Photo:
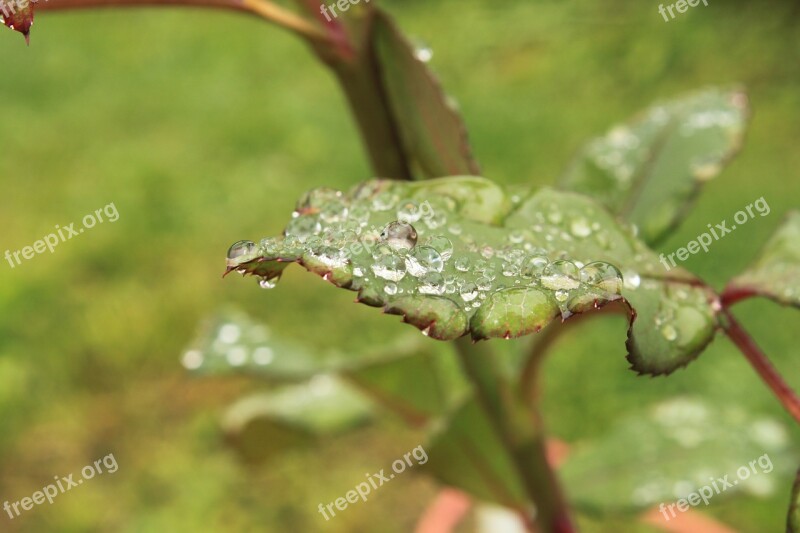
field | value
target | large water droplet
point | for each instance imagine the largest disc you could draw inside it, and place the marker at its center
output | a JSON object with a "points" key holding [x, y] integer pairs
{"points": [[442, 245], [534, 265], [333, 211], [399, 235], [391, 267], [562, 275], [424, 259], [242, 248], [432, 283], [602, 275]]}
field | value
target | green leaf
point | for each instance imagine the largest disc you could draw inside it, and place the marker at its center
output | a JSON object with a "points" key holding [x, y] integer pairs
{"points": [[454, 256], [467, 454], [793, 520], [650, 170], [775, 274], [233, 343], [432, 131], [263, 425], [673, 449]]}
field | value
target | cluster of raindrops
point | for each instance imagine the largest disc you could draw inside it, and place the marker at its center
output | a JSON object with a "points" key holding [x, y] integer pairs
{"points": [[380, 240], [232, 345]]}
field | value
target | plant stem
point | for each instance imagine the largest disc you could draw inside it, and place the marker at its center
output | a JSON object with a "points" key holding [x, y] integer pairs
{"points": [[763, 366], [525, 443], [261, 8]]}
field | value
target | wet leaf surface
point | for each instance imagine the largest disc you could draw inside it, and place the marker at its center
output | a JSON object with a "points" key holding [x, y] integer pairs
{"points": [[455, 256], [775, 274], [675, 448], [650, 169]]}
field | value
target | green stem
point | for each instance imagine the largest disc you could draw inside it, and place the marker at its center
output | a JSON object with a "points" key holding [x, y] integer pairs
{"points": [[514, 425]]}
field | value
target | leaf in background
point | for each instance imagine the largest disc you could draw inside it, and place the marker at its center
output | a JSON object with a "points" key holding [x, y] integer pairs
{"points": [[18, 15], [674, 449], [776, 272], [233, 343], [420, 383], [426, 251], [263, 425], [793, 520], [432, 131], [650, 170], [466, 453]]}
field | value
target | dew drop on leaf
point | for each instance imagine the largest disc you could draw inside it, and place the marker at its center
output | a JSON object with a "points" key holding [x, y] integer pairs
{"points": [[468, 291], [422, 260], [303, 227], [399, 235], [442, 245], [265, 283], [563, 275], [241, 248], [391, 267], [602, 275], [462, 264]]}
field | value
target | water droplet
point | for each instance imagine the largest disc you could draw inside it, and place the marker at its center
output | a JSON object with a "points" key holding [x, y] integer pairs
{"points": [[442, 245], [562, 295], [390, 289], [236, 355], [265, 283], [516, 237], [358, 272], [468, 291], [510, 269], [192, 360], [669, 332], [487, 252], [562, 275], [241, 249], [303, 227], [332, 257], [399, 235], [580, 228], [424, 259], [391, 267], [602, 275], [432, 283], [534, 265], [462, 264], [408, 211], [455, 229], [484, 283], [423, 53], [554, 217], [229, 333]]}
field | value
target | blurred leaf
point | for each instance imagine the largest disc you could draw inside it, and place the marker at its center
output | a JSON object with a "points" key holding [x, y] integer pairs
{"points": [[793, 521], [776, 272], [262, 425], [466, 453], [432, 131], [419, 383], [650, 170], [676, 448], [233, 343], [18, 15], [472, 263]]}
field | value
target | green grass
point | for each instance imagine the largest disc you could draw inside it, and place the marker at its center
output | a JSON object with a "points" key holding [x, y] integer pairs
{"points": [[203, 128]]}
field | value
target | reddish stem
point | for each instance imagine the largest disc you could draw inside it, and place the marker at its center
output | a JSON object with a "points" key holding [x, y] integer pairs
{"points": [[734, 295], [763, 366]]}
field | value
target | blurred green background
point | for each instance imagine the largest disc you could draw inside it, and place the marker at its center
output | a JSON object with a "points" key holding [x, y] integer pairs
{"points": [[204, 127]]}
